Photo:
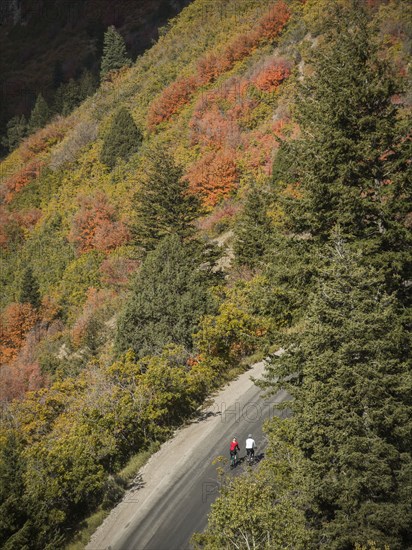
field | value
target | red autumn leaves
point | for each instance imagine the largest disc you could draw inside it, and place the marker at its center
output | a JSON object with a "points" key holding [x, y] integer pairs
{"points": [[211, 66], [96, 226]]}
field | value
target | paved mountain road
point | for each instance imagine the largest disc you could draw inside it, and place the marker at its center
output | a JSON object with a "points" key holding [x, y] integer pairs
{"points": [[179, 482]]}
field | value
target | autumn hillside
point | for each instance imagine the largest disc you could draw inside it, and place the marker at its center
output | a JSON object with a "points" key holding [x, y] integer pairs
{"points": [[281, 130]]}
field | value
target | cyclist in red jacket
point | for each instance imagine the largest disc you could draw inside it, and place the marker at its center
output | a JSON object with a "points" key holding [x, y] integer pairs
{"points": [[234, 449]]}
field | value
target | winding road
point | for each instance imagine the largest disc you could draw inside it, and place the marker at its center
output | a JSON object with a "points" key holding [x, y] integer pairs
{"points": [[179, 482]]}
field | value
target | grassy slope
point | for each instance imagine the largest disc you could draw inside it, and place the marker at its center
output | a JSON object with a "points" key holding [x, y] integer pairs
{"points": [[203, 27]]}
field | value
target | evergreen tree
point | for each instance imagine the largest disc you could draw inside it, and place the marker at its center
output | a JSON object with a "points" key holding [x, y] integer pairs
{"points": [[169, 295], [40, 114], [253, 231], [122, 140], [15, 133], [30, 289], [87, 85], [349, 377], [351, 161], [67, 97], [163, 205], [13, 514], [114, 52]]}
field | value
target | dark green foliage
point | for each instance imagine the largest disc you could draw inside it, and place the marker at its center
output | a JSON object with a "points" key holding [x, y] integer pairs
{"points": [[168, 297], [349, 376], [114, 52], [15, 133], [351, 162], [163, 205], [40, 114], [87, 85], [122, 140], [67, 98], [12, 514], [253, 230], [290, 269], [30, 289], [69, 95]]}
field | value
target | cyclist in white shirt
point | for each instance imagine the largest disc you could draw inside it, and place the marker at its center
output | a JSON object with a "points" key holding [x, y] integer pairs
{"points": [[250, 447]]}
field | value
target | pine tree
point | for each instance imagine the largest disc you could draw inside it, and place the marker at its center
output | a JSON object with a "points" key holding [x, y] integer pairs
{"points": [[30, 289], [163, 205], [253, 230], [15, 133], [114, 52], [349, 377], [122, 140], [169, 295], [40, 114], [351, 162]]}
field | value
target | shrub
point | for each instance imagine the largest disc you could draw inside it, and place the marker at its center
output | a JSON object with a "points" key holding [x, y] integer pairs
{"points": [[23, 177], [15, 322], [171, 100], [95, 227], [68, 149], [271, 75], [214, 176]]}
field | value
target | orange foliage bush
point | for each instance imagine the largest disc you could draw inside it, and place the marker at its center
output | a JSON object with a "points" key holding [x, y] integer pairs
{"points": [[208, 69], [172, 99], [116, 271], [18, 378], [20, 179], [44, 138], [214, 177], [15, 322], [95, 226], [211, 127], [23, 373], [12, 223], [6, 219], [240, 48], [273, 22], [271, 75]]}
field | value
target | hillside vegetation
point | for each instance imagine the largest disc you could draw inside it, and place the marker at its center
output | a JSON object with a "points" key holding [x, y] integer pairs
{"points": [[281, 129]]}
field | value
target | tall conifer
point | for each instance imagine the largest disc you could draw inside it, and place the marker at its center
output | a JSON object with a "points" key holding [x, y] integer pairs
{"points": [[114, 52], [163, 205], [349, 375], [39, 115], [169, 295], [253, 230], [30, 289], [350, 163], [122, 140]]}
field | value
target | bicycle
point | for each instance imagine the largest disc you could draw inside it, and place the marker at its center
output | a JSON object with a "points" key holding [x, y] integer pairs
{"points": [[250, 456], [233, 459]]}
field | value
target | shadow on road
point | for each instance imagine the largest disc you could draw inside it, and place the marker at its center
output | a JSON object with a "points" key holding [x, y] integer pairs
{"points": [[201, 416]]}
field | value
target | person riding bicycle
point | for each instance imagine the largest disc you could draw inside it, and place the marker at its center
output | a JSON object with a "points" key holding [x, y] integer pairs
{"points": [[250, 447], [234, 448]]}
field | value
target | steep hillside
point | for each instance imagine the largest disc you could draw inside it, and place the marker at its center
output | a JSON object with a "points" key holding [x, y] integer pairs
{"points": [[116, 321], [45, 43]]}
